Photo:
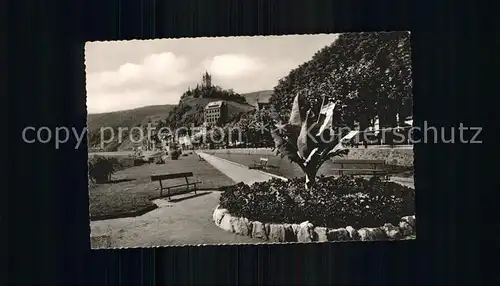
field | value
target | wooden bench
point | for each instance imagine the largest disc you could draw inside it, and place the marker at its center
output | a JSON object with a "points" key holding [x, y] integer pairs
{"points": [[372, 167], [261, 164], [166, 177]]}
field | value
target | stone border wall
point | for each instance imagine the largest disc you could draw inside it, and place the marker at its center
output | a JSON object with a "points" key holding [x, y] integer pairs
{"points": [[307, 232], [392, 156]]}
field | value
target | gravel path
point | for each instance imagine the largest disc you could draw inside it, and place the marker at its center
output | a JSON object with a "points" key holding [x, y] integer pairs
{"points": [[238, 172], [187, 222]]}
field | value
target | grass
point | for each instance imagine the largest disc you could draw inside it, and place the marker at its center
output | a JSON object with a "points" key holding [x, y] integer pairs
{"points": [[133, 190], [283, 166]]}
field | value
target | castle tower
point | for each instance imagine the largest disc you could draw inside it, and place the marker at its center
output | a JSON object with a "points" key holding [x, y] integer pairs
{"points": [[207, 80]]}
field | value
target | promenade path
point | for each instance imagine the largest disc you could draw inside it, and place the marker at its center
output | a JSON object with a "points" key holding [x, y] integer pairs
{"points": [[238, 172], [183, 222], [187, 222]]}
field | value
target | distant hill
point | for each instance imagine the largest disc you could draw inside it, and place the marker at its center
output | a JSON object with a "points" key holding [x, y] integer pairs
{"points": [[129, 118], [262, 96], [124, 118]]}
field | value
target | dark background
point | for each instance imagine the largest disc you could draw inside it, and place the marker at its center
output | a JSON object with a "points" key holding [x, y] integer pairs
{"points": [[44, 209]]}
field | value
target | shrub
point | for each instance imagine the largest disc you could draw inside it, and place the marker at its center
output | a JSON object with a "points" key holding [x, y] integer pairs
{"points": [[138, 162], [174, 155], [101, 168], [175, 151], [333, 202]]}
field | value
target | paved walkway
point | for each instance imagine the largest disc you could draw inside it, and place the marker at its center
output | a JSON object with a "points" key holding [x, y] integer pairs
{"points": [[184, 222], [238, 172]]}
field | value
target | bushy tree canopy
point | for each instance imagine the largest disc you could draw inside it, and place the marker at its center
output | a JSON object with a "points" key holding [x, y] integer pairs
{"points": [[369, 73]]}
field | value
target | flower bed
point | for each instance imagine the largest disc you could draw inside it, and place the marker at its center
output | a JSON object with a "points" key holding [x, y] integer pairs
{"points": [[333, 203], [344, 208]]}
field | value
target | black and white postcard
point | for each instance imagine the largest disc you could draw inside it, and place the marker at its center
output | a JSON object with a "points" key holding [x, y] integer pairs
{"points": [[248, 140]]}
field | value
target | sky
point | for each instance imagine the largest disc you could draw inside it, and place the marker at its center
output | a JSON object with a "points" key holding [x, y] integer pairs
{"points": [[123, 75]]}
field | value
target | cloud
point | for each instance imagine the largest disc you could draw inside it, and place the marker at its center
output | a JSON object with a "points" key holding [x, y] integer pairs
{"points": [[127, 99], [131, 74], [254, 75], [159, 79], [165, 69], [233, 65], [162, 78]]}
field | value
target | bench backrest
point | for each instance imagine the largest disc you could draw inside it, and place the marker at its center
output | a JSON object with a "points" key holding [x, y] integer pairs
{"points": [[171, 176], [354, 161]]}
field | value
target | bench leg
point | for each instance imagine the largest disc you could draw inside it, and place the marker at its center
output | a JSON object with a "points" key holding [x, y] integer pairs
{"points": [[187, 184], [161, 189], [195, 188]]}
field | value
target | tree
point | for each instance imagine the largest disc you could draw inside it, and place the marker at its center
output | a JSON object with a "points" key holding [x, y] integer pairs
{"points": [[261, 124], [369, 73], [101, 168]]}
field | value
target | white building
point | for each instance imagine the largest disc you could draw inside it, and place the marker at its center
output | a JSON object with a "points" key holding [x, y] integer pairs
{"points": [[215, 112]]}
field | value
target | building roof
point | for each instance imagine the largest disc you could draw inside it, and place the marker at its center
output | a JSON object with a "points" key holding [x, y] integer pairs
{"points": [[214, 104]]}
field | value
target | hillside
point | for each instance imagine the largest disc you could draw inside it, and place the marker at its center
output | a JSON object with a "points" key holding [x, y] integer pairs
{"points": [[187, 113], [124, 118], [190, 111], [262, 96], [128, 118]]}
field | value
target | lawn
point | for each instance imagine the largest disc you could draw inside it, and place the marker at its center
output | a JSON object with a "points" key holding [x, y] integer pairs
{"points": [[283, 167], [133, 189]]}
